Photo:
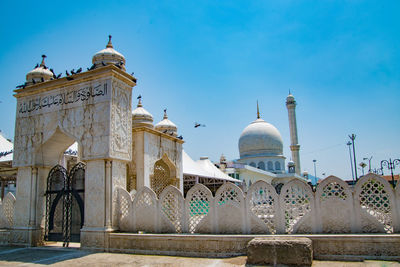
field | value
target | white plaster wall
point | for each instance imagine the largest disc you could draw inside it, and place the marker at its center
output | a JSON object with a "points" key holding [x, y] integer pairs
{"points": [[138, 166]]}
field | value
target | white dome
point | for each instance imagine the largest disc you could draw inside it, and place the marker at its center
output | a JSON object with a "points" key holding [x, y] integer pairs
{"points": [[141, 117], [39, 74], [167, 126], [259, 139], [108, 56]]}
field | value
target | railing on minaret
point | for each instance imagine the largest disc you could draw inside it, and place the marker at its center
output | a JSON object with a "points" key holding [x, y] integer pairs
{"points": [[294, 147]]}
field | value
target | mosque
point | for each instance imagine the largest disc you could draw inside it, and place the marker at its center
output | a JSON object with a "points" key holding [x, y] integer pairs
{"points": [[261, 153]]}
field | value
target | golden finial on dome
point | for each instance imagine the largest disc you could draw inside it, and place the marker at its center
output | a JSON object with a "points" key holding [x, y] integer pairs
{"points": [[109, 45], [258, 111]]}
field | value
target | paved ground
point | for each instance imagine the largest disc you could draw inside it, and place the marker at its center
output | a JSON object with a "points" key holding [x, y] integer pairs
{"points": [[58, 256]]}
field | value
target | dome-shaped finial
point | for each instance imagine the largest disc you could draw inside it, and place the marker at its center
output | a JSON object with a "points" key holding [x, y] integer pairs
{"points": [[141, 117], [258, 111], [39, 74], [109, 45], [166, 126], [42, 64], [109, 56]]}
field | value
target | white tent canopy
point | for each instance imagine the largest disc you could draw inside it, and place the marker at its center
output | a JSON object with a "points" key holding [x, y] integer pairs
{"points": [[190, 167], [6, 146], [204, 168], [207, 165]]}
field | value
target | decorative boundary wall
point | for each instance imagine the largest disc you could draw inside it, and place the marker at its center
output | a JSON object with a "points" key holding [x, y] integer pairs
{"points": [[335, 208]]}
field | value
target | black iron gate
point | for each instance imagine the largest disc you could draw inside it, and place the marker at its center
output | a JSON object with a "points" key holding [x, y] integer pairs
{"points": [[65, 204]]}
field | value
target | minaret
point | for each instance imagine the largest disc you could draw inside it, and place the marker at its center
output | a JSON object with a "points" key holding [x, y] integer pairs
{"points": [[294, 147]]}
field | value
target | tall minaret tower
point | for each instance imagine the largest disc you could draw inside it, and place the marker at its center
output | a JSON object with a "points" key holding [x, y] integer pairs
{"points": [[294, 147]]}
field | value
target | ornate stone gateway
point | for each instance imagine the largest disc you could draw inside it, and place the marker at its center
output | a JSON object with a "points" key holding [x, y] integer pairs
{"points": [[92, 108], [65, 204]]}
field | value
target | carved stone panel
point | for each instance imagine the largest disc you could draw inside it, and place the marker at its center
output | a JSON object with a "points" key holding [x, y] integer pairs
{"points": [[375, 197], [121, 121], [229, 209], [334, 202]]}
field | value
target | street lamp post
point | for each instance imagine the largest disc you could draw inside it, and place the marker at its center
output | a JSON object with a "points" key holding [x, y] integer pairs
{"points": [[369, 164], [391, 165], [353, 138], [315, 168], [351, 160]]}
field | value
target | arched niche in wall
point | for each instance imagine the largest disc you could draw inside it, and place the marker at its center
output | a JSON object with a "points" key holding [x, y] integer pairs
{"points": [[164, 175]]}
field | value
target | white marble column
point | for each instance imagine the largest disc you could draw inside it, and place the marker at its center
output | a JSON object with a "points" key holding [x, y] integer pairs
{"points": [[92, 233], [108, 196]]}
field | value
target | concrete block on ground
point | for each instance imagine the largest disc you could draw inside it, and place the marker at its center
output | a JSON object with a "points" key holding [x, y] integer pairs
{"points": [[280, 250]]}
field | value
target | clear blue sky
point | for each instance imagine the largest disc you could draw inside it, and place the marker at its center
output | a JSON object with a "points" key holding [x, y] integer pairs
{"points": [[209, 61]]}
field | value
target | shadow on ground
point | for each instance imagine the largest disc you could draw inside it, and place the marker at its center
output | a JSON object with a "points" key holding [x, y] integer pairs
{"points": [[38, 255]]}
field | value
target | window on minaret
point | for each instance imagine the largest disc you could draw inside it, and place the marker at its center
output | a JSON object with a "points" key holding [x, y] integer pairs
{"points": [[270, 166], [261, 165], [277, 165]]}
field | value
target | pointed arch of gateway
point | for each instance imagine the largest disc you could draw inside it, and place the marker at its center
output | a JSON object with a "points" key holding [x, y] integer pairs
{"points": [[51, 150]]}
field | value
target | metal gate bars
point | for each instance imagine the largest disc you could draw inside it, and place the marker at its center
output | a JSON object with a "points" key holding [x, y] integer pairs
{"points": [[65, 203]]}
